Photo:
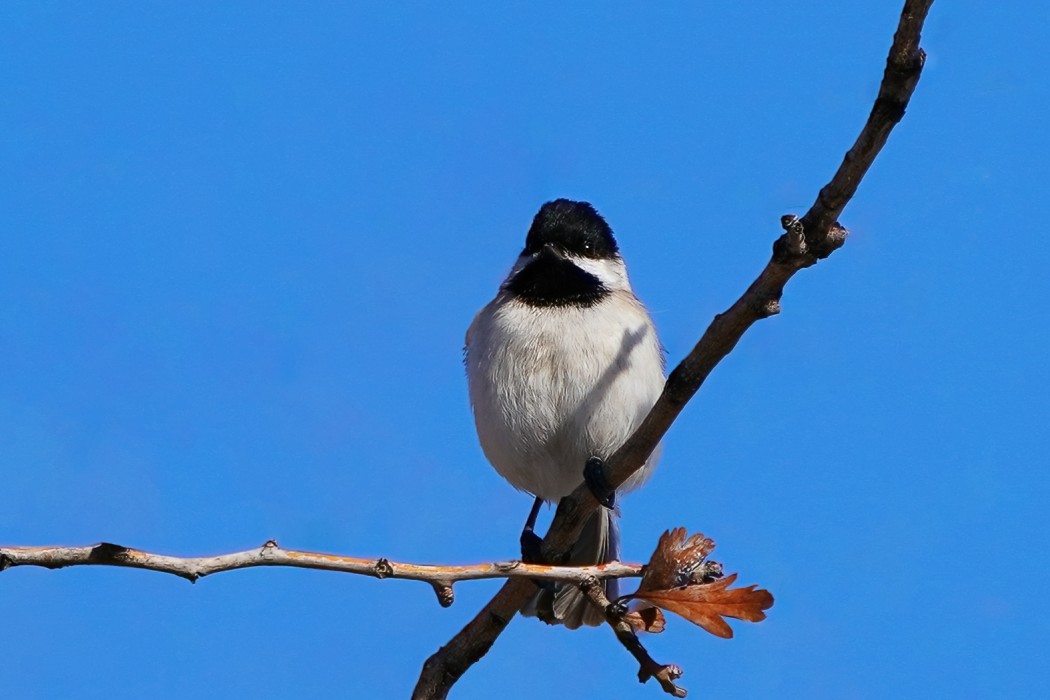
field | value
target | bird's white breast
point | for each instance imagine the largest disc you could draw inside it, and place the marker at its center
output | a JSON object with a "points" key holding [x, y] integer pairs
{"points": [[553, 386]]}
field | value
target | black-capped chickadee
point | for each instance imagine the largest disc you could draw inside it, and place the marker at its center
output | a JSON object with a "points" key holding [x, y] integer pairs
{"points": [[563, 365]]}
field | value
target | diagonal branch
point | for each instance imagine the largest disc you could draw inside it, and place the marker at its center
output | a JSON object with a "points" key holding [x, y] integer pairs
{"points": [[805, 241], [271, 554], [903, 67]]}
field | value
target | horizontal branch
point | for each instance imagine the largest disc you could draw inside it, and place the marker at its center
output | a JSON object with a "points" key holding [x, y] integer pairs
{"points": [[271, 554]]}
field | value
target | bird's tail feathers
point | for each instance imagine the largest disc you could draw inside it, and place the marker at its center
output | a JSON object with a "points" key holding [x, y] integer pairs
{"points": [[565, 604]]}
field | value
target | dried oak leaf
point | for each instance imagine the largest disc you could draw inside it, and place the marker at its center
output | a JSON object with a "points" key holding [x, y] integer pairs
{"points": [[705, 604], [678, 579], [675, 560]]}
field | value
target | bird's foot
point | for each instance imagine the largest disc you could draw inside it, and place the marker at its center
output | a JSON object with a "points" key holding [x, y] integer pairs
{"points": [[531, 547], [596, 480]]}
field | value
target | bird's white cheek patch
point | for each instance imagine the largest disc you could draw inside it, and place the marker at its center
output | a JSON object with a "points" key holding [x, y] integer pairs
{"points": [[611, 272]]}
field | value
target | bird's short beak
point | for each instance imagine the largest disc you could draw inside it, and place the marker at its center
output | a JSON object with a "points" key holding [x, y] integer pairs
{"points": [[550, 250]]}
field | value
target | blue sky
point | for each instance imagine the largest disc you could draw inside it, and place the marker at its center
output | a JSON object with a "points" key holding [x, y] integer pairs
{"points": [[241, 245]]}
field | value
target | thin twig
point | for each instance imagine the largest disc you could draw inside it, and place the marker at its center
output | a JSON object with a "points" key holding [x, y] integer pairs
{"points": [[665, 674], [271, 554], [815, 236]]}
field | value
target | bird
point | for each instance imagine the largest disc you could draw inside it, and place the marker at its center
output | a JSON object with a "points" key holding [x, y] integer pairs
{"points": [[562, 366]]}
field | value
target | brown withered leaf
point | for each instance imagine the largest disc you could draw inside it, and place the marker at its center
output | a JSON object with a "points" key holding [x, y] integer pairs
{"points": [[675, 559], [646, 620], [705, 604]]}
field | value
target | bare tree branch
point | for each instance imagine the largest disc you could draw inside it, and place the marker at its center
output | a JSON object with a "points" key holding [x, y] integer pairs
{"points": [[271, 554], [445, 666], [805, 241], [665, 674], [903, 67]]}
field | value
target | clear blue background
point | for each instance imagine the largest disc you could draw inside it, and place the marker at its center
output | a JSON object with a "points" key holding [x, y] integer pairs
{"points": [[241, 243]]}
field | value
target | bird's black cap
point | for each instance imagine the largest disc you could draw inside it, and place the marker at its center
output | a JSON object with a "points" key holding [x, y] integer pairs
{"points": [[575, 228]]}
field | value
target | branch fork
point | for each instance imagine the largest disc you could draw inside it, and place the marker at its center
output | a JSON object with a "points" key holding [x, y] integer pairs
{"points": [[814, 237]]}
